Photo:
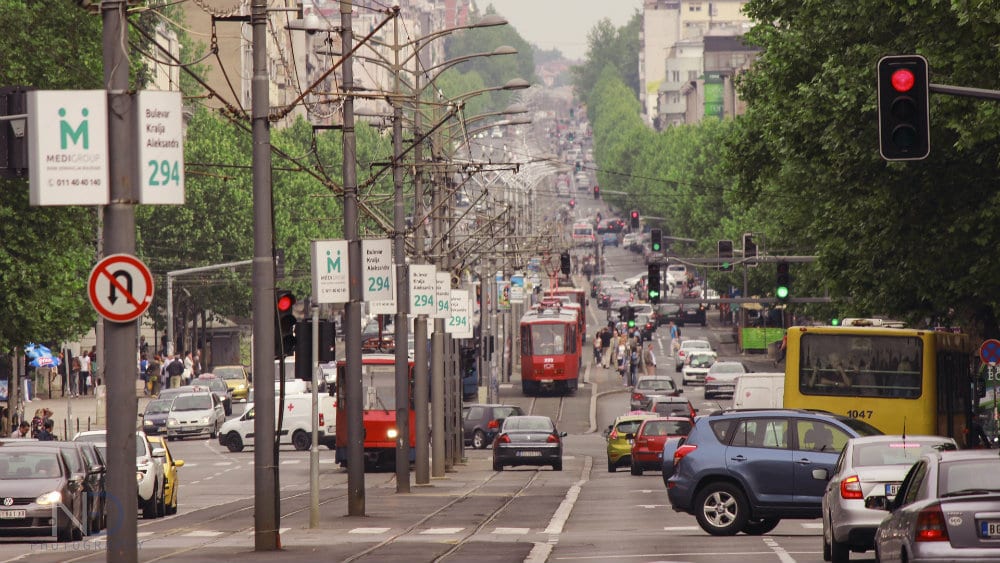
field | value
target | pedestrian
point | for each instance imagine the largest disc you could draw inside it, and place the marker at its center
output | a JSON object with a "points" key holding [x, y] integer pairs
{"points": [[84, 379], [23, 430], [175, 371], [95, 372], [46, 434], [597, 348], [74, 376], [63, 375], [188, 368], [605, 346], [633, 365], [649, 360], [153, 376], [675, 337]]}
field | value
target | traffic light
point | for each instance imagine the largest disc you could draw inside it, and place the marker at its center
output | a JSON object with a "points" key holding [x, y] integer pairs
{"points": [[834, 321], [653, 283], [903, 108], [572, 203], [656, 239], [783, 282], [565, 266], [627, 315], [597, 192], [284, 326], [749, 250], [304, 349], [726, 255], [634, 219]]}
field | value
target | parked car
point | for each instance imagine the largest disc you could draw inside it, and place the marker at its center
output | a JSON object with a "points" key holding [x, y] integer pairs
{"points": [[170, 479], [696, 366], [946, 510], [195, 413], [528, 440], [650, 387], [779, 453], [218, 386], [673, 406], [35, 478], [722, 376], [873, 465], [154, 417], [480, 423], [148, 469], [688, 346], [619, 444], [648, 441]]}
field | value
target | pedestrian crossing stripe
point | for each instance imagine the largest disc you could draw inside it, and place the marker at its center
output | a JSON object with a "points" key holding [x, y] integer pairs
{"points": [[442, 531], [511, 531], [290, 461], [202, 534], [368, 531]]}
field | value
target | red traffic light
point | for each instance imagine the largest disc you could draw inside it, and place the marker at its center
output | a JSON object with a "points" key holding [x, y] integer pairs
{"points": [[902, 80], [285, 302], [635, 214]]}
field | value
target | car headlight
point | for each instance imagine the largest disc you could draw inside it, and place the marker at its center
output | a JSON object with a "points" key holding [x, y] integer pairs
{"points": [[172, 422], [241, 386], [139, 475], [204, 420], [391, 434], [52, 497], [147, 423]]}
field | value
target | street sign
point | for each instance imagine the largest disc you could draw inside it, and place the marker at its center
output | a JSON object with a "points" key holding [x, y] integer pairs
{"points": [[423, 289], [443, 296], [517, 287], [68, 147], [120, 288], [161, 147], [376, 266], [989, 352], [385, 306], [460, 323], [330, 283]]}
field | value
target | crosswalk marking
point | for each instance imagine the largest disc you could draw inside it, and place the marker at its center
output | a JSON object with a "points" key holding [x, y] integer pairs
{"points": [[511, 531], [368, 531], [219, 463], [813, 525], [680, 528], [202, 534], [290, 461], [442, 531]]}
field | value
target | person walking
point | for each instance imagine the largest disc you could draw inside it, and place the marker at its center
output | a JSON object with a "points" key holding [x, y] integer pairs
{"points": [[74, 376], [649, 360], [597, 348], [605, 346], [153, 376], [84, 377]]}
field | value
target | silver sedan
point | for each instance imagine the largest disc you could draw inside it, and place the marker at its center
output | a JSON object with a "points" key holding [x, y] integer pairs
{"points": [[871, 465], [947, 509]]}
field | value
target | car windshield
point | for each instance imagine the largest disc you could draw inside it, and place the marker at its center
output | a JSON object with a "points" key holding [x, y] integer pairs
{"points": [[229, 373], [626, 426], [903, 452], [696, 345], [667, 428], [192, 403], [702, 360], [29, 465], [159, 406], [521, 423], [655, 385], [727, 368]]}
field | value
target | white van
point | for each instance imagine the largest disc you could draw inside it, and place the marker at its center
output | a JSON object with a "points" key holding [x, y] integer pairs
{"points": [[293, 386], [759, 391], [583, 234], [238, 433]]}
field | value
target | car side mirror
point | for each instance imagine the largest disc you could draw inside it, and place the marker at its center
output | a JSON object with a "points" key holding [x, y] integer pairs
{"points": [[878, 502], [159, 452], [178, 463], [820, 474], [563, 434], [96, 469]]}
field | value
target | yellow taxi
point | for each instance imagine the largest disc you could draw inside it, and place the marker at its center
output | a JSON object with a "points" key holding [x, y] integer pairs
{"points": [[170, 465], [619, 436], [236, 378]]}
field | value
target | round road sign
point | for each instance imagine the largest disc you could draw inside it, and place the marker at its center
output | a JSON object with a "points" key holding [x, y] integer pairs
{"points": [[989, 352], [120, 288]]}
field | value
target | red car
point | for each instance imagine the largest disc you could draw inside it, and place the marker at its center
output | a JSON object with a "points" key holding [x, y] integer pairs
{"points": [[647, 444]]}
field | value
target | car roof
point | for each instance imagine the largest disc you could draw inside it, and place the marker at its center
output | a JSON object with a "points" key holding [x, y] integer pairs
{"points": [[635, 415]]}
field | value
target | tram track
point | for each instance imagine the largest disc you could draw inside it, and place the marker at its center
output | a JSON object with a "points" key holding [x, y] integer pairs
{"points": [[550, 406]]}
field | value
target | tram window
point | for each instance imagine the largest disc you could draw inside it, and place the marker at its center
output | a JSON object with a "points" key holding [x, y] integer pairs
{"points": [[548, 339]]}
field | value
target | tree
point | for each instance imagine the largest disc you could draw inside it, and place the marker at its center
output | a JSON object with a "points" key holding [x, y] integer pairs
{"points": [[608, 46]]}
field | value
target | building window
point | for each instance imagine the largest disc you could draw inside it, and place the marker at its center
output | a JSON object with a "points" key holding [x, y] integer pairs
{"points": [[675, 76], [694, 7], [692, 75]]}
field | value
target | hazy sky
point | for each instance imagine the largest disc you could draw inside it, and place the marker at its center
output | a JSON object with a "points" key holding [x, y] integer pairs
{"points": [[561, 24]]}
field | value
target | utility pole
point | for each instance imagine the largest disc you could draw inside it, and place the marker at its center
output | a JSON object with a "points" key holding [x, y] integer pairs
{"points": [[119, 237], [352, 310], [265, 471], [421, 376]]}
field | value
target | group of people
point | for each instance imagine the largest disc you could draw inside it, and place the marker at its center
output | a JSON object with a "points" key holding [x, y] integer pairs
{"points": [[41, 427], [168, 371], [620, 346]]}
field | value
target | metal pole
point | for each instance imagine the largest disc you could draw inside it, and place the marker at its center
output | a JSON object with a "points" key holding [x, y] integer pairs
{"points": [[265, 463], [420, 391], [314, 450], [119, 234], [170, 313], [352, 310], [402, 366], [437, 400]]}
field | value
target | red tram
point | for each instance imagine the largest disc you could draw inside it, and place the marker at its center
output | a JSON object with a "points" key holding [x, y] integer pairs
{"points": [[550, 350], [378, 381]]}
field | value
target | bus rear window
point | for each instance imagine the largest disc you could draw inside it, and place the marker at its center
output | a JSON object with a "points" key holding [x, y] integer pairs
{"points": [[861, 366]]}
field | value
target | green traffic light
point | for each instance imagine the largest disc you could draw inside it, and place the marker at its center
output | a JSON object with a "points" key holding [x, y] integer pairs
{"points": [[631, 324], [835, 322], [781, 292], [654, 293], [656, 248]]}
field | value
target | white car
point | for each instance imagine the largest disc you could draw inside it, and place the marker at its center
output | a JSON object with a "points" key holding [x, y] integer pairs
{"points": [[696, 366], [148, 470], [687, 347], [677, 274], [195, 414]]}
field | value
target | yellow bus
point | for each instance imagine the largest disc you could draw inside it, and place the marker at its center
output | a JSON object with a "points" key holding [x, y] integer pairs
{"points": [[896, 379]]}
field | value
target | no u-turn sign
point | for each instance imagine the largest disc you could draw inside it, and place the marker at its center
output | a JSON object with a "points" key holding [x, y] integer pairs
{"points": [[120, 288]]}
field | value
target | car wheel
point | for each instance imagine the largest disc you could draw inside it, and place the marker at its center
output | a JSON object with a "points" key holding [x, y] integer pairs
{"points": [[479, 440], [149, 506], [65, 534], [721, 509], [760, 526], [172, 507], [301, 440], [840, 552], [635, 468], [215, 431], [234, 442], [497, 466], [161, 506], [826, 549], [557, 466], [612, 468]]}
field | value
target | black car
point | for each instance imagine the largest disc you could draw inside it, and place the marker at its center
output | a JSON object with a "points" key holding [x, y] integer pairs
{"points": [[692, 313], [480, 423], [667, 312], [528, 440], [154, 418]]}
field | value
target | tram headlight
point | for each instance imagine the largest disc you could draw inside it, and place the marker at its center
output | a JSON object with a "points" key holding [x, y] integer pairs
{"points": [[391, 434]]}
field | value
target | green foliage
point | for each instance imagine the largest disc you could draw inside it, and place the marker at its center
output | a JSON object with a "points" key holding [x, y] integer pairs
{"points": [[608, 46]]}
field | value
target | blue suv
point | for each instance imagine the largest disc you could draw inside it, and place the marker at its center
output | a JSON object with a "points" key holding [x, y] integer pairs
{"points": [[745, 470]]}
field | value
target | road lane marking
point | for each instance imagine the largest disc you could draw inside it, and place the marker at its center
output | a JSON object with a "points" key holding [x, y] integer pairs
{"points": [[221, 463], [290, 461], [442, 531], [511, 531], [681, 528], [202, 534], [783, 555], [566, 506], [368, 531]]}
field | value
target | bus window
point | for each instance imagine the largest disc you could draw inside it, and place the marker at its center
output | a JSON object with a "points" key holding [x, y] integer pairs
{"points": [[872, 366]]}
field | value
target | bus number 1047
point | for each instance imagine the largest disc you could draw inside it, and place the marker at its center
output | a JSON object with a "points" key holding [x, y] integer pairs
{"points": [[859, 414]]}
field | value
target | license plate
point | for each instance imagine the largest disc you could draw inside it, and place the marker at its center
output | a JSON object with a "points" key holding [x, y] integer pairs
{"points": [[12, 514], [529, 454], [989, 528], [891, 489], [546, 381]]}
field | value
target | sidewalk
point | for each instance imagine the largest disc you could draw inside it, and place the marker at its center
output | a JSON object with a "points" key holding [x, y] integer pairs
{"points": [[72, 415]]}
